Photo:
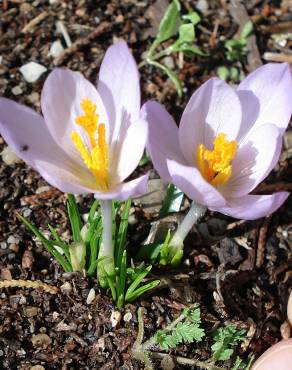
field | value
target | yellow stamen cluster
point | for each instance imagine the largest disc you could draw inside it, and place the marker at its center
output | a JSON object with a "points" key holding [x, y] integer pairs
{"points": [[96, 159], [215, 166]]}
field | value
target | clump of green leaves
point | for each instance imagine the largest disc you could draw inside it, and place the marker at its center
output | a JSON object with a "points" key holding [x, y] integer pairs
{"points": [[225, 339], [126, 284], [187, 328], [186, 331], [180, 29], [235, 51]]}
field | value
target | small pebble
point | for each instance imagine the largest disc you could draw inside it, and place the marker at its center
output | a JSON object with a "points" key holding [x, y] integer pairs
{"points": [[16, 90], [41, 340], [12, 240], [115, 318], [34, 98], [37, 367], [127, 317], [66, 287], [27, 259], [32, 71], [30, 311], [285, 330], [26, 212], [5, 274], [91, 296], [9, 157], [56, 49]]}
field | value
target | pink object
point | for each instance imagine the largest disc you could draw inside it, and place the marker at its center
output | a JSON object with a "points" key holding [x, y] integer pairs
{"points": [[277, 357], [228, 141], [110, 135]]}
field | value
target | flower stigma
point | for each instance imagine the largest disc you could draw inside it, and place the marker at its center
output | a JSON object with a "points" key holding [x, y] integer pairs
{"points": [[215, 166], [95, 158]]}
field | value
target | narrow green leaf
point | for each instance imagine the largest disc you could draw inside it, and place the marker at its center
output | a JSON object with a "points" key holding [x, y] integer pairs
{"points": [[59, 242], [172, 201], [168, 24], [247, 30], [186, 33], [172, 75], [193, 17], [74, 217], [121, 278], [149, 252], [137, 281], [122, 232], [47, 244], [223, 73], [143, 289], [92, 211]]}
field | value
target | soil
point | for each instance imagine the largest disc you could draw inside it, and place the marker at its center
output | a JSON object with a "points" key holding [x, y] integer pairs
{"points": [[237, 271]]}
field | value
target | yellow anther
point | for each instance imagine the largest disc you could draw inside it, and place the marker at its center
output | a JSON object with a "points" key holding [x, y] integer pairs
{"points": [[96, 157], [215, 166]]}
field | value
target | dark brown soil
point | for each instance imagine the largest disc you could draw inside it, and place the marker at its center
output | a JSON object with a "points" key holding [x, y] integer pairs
{"points": [[243, 275]]}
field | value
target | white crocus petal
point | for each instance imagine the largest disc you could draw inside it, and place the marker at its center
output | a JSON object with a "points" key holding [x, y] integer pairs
{"points": [[118, 85], [129, 149], [61, 100], [257, 154], [213, 109], [266, 96]]}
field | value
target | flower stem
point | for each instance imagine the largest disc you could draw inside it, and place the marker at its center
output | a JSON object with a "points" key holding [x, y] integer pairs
{"points": [[172, 253], [195, 213], [106, 266]]}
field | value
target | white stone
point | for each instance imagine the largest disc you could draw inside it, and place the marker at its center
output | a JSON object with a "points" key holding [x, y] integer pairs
{"points": [[32, 71], [56, 49], [9, 157], [16, 90], [115, 318], [91, 296]]}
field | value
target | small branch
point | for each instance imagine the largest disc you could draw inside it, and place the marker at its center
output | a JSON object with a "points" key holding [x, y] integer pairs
{"points": [[40, 17], [189, 361], [29, 284], [100, 29]]}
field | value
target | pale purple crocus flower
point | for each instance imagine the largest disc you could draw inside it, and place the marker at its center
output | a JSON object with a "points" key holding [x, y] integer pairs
{"points": [[227, 142], [89, 139]]}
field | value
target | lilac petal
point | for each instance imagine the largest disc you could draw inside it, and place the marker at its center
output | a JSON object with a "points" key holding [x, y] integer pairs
{"points": [[126, 190], [162, 138], [257, 155], [129, 150], [27, 134], [191, 182], [266, 96], [251, 207], [61, 99], [214, 108], [118, 86]]}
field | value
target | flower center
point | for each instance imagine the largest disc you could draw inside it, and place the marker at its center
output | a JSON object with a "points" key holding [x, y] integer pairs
{"points": [[215, 166], [95, 158]]}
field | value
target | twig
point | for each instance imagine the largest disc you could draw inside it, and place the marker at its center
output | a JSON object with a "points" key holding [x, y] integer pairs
{"points": [[189, 361], [29, 284], [277, 57], [262, 242], [34, 22], [101, 28], [271, 188], [240, 15], [35, 199]]}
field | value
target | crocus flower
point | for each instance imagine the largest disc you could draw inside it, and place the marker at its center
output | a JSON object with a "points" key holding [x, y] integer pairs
{"points": [[89, 139], [227, 142], [277, 357]]}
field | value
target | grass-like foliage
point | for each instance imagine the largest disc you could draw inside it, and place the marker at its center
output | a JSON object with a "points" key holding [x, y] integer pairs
{"points": [[126, 284]]}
